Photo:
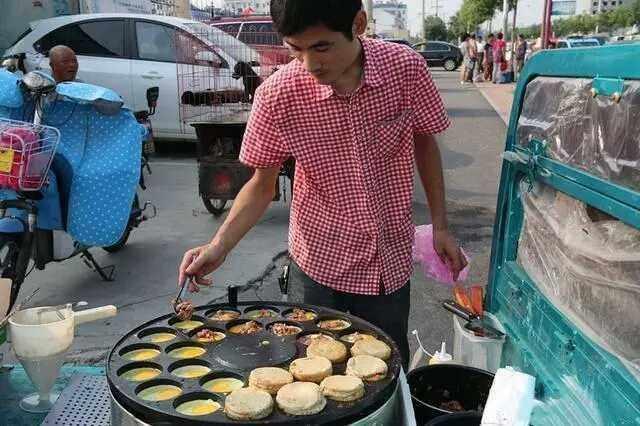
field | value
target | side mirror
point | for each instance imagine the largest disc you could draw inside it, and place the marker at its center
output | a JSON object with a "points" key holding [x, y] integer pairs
{"points": [[152, 98], [209, 57]]}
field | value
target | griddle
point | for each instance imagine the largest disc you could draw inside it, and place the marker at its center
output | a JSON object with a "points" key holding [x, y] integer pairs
{"points": [[236, 356]]}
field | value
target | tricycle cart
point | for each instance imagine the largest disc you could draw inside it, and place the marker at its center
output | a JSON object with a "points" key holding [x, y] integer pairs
{"points": [[221, 176]]}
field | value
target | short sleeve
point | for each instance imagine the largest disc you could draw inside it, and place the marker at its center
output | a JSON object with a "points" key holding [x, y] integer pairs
{"points": [[429, 114], [263, 146]]}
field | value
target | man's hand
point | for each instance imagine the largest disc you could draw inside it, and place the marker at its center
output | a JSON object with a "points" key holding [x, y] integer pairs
{"points": [[447, 248], [199, 262]]}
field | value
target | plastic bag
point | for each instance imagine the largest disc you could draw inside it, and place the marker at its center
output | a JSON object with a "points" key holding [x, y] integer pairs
{"points": [[432, 266]]}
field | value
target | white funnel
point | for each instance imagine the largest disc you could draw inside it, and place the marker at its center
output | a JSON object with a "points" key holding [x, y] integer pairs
{"points": [[40, 339]]}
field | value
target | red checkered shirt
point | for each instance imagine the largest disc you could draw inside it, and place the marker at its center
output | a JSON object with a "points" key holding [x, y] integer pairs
{"points": [[350, 226]]}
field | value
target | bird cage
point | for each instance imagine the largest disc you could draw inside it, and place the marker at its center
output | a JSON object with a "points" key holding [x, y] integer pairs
{"points": [[218, 72]]}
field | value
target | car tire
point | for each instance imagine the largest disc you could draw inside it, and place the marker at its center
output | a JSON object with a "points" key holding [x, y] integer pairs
{"points": [[450, 65]]}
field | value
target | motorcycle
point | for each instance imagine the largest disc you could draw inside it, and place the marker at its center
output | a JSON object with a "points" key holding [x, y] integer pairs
{"points": [[71, 157]]}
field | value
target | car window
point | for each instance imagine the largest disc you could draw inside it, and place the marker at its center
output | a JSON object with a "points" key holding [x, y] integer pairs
{"points": [[437, 47], [156, 42], [259, 33], [562, 44], [97, 38], [21, 36], [231, 29]]}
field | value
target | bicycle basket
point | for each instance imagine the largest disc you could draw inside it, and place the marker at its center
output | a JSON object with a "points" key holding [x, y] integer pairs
{"points": [[26, 153]]}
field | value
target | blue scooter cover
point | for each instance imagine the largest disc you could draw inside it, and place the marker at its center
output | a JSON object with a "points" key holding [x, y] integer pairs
{"points": [[97, 164]]}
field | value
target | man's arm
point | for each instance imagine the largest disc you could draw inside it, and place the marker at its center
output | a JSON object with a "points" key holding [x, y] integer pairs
{"points": [[429, 164]]}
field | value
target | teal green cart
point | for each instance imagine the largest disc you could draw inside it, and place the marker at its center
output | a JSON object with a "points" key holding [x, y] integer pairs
{"points": [[565, 271]]}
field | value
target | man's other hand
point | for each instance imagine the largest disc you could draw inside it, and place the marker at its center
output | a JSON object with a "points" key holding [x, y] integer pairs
{"points": [[447, 248]]}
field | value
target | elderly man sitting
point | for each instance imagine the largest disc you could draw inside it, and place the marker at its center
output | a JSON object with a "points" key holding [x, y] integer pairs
{"points": [[63, 63]]}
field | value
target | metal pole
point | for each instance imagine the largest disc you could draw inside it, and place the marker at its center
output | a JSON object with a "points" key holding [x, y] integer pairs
{"points": [[423, 16], [368, 4], [505, 17]]}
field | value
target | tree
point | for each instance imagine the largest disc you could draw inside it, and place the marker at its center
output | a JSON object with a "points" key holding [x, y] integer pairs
{"points": [[435, 29]]}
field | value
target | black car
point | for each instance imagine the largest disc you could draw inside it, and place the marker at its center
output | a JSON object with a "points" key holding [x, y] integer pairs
{"points": [[440, 54]]}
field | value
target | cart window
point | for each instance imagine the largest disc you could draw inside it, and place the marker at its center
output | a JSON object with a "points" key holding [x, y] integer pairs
{"points": [[588, 264], [595, 134]]}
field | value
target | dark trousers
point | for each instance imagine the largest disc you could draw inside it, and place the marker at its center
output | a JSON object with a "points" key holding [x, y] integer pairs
{"points": [[388, 312]]}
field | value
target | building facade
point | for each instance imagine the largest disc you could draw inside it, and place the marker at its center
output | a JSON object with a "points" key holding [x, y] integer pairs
{"points": [[260, 7], [390, 19]]}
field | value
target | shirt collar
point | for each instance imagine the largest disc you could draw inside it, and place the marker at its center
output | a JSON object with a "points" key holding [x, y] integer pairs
{"points": [[371, 72]]}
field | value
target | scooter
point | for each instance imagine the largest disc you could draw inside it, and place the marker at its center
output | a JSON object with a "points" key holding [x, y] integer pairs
{"points": [[70, 162]]}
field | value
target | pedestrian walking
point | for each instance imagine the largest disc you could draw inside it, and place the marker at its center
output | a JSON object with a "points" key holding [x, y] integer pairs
{"points": [[488, 58], [499, 59], [464, 49], [473, 57], [521, 54], [481, 43]]}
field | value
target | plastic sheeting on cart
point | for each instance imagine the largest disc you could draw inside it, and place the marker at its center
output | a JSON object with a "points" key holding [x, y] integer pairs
{"points": [[588, 265], [595, 134]]}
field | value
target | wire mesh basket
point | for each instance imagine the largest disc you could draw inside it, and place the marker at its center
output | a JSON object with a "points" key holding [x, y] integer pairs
{"points": [[26, 153], [219, 68]]}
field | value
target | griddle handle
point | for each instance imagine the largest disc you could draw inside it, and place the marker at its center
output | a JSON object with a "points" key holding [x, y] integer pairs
{"points": [[459, 310], [232, 292]]}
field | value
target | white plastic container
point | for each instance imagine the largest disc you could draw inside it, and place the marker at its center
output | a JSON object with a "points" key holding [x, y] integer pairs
{"points": [[478, 352]]}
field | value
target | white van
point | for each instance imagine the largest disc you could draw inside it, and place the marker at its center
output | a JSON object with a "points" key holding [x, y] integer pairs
{"points": [[129, 53]]}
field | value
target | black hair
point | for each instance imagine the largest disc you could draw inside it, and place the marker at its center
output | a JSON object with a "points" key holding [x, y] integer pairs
{"points": [[490, 35], [292, 17], [500, 36]]}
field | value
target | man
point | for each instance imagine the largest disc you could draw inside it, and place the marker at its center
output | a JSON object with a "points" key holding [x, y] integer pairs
{"points": [[63, 63], [481, 44], [499, 47], [472, 45], [488, 58], [355, 113], [521, 54]]}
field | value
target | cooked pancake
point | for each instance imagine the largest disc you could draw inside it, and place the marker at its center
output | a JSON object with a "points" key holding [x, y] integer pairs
{"points": [[248, 404], [269, 379], [223, 385], [160, 393], [354, 337], [333, 350], [367, 367], [301, 399], [185, 352], [311, 369], [342, 388], [141, 374], [159, 337], [307, 339], [141, 354], [198, 407], [373, 347], [334, 324], [191, 371]]}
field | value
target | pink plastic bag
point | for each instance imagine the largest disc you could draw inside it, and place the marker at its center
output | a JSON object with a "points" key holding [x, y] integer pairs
{"points": [[432, 266]]}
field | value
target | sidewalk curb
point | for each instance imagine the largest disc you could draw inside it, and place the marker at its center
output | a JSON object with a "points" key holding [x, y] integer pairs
{"points": [[504, 117]]}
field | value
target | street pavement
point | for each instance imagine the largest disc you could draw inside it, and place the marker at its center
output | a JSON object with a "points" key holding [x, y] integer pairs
{"points": [[146, 270]]}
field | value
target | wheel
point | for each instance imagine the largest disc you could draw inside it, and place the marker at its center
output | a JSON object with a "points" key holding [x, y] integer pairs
{"points": [[450, 65], [119, 245], [215, 206], [9, 251]]}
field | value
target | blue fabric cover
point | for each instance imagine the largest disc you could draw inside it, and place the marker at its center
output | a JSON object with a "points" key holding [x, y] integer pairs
{"points": [[97, 164]]}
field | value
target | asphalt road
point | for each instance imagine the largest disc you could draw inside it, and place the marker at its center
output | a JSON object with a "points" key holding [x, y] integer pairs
{"points": [[146, 269]]}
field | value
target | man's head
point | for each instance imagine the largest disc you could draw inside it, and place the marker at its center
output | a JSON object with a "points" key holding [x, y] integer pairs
{"points": [[464, 36], [500, 36], [321, 34], [490, 37], [63, 63], [473, 36], [521, 37]]}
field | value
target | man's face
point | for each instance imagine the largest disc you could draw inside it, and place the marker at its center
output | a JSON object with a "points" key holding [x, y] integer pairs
{"points": [[490, 39], [64, 67], [325, 54]]}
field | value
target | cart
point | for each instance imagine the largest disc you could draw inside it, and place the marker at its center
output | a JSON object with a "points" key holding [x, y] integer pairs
{"points": [[565, 266], [221, 176]]}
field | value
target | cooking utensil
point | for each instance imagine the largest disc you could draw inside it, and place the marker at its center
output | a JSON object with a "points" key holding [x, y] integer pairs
{"points": [[59, 308], [283, 281], [178, 298], [476, 324]]}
